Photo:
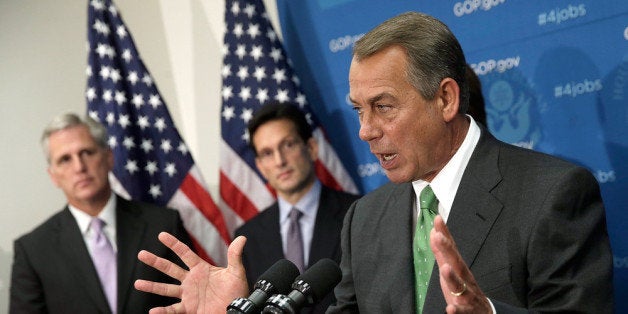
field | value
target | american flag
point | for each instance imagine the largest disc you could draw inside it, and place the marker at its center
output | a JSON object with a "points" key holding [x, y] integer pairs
{"points": [[152, 163], [256, 70]]}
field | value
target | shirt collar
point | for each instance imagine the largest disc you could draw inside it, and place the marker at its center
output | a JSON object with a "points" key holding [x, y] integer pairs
{"points": [[308, 204], [446, 182], [108, 215]]}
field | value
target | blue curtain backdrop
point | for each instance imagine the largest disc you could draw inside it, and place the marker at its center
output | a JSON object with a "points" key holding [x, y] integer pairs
{"points": [[554, 76]]}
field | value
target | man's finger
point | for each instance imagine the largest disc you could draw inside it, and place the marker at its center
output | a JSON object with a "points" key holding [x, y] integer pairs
{"points": [[456, 285], [163, 265], [171, 309], [452, 267], [443, 245], [439, 225], [189, 258], [234, 252], [234, 258], [163, 289], [445, 249]]}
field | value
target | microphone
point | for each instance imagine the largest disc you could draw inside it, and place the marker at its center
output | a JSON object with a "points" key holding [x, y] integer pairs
{"points": [[275, 279], [308, 288]]}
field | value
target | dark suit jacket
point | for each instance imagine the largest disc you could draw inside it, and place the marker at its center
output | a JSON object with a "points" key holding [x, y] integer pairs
{"points": [[53, 271], [531, 228], [263, 246]]}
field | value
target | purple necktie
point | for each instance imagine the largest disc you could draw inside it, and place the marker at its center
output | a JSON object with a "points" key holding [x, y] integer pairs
{"points": [[104, 259], [294, 247]]}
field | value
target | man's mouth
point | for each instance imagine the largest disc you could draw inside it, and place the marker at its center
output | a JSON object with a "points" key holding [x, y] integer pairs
{"points": [[284, 175], [83, 182], [388, 157], [387, 161]]}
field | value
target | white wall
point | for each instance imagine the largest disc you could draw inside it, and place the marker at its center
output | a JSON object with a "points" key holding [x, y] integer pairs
{"points": [[42, 73]]}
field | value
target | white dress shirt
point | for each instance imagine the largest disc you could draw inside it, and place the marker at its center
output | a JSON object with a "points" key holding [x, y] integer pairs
{"points": [[446, 183]]}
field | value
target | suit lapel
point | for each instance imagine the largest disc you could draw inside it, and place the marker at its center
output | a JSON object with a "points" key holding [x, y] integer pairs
{"points": [[406, 292], [394, 248], [326, 238], [71, 244], [271, 240], [130, 232], [473, 211]]}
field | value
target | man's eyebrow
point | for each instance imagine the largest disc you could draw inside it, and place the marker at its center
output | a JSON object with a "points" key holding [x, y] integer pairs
{"points": [[375, 98]]}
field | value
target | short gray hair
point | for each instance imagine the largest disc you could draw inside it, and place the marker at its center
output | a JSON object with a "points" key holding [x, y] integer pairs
{"points": [[69, 120], [433, 52]]}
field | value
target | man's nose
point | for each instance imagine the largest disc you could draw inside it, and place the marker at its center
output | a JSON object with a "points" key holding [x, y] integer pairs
{"points": [[279, 157], [78, 163], [369, 129]]}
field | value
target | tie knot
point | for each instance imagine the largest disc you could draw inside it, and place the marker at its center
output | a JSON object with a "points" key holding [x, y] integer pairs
{"points": [[97, 224], [428, 200], [295, 214]]}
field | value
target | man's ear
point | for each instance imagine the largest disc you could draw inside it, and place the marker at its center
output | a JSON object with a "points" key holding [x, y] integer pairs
{"points": [[260, 167], [312, 148], [52, 176], [449, 95], [110, 159]]}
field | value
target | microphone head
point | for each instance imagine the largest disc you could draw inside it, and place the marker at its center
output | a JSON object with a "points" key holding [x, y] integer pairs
{"points": [[280, 276], [275, 279], [319, 279]]}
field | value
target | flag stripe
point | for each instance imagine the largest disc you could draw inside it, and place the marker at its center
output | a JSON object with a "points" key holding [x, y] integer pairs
{"points": [[325, 176], [199, 228], [202, 200], [200, 250], [328, 157], [236, 199]]}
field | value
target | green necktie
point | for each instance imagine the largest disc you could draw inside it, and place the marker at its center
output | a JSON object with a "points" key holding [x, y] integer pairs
{"points": [[423, 256]]}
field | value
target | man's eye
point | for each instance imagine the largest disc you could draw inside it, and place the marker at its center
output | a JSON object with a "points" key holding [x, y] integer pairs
{"points": [[290, 144], [63, 161], [88, 152]]}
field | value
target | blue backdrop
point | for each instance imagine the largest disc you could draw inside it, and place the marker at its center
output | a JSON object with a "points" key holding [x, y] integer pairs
{"points": [[554, 76]]}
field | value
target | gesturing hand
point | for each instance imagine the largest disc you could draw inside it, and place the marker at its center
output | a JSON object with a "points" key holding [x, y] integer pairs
{"points": [[459, 287], [204, 288]]}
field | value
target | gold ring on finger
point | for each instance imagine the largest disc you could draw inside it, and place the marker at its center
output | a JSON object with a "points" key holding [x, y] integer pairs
{"points": [[457, 294]]}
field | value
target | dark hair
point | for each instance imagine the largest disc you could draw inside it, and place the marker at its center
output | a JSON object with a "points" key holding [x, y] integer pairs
{"points": [[280, 111], [476, 99]]}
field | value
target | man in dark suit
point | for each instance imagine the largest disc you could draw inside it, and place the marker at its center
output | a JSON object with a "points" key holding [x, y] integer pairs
{"points": [[525, 232], [53, 269], [285, 154]]}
